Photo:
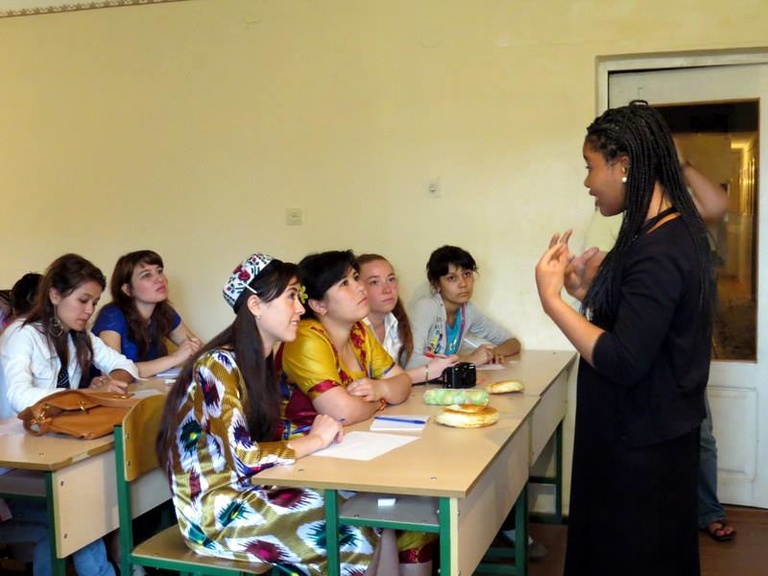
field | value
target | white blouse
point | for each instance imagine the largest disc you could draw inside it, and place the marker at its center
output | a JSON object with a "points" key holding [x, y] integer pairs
{"points": [[30, 366]]}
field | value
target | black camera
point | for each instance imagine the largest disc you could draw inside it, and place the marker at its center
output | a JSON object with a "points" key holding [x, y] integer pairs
{"points": [[460, 375]]}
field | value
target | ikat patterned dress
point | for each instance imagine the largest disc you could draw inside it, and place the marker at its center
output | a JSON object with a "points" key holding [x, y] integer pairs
{"points": [[221, 512]]}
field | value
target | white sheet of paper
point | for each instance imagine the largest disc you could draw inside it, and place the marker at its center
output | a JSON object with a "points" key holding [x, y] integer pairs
{"points": [[365, 445], [171, 373], [490, 367], [146, 392]]}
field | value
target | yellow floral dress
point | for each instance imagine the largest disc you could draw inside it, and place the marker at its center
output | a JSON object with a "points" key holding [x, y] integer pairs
{"points": [[221, 510]]}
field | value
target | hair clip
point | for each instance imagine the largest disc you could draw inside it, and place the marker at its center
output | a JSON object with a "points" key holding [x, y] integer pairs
{"points": [[303, 294]]}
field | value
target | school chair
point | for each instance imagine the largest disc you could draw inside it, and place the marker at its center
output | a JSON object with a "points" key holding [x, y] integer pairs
{"points": [[141, 486]]}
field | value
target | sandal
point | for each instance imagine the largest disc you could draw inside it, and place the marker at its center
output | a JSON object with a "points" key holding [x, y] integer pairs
{"points": [[720, 531]]}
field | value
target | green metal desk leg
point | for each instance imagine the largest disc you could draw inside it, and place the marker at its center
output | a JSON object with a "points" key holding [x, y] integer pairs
{"points": [[444, 517], [521, 533], [58, 565], [332, 532]]}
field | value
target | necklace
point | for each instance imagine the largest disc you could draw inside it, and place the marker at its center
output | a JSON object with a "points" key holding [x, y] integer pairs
{"points": [[651, 223]]}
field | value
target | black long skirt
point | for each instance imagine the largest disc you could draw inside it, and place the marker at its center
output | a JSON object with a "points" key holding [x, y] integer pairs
{"points": [[633, 510]]}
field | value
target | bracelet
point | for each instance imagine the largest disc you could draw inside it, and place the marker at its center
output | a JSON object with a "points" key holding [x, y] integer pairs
{"points": [[382, 404], [426, 372]]}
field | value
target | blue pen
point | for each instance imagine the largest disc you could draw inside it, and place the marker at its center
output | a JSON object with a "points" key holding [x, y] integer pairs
{"points": [[303, 429], [396, 419]]}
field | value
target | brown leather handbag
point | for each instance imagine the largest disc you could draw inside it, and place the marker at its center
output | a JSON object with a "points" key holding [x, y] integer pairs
{"points": [[80, 413]]}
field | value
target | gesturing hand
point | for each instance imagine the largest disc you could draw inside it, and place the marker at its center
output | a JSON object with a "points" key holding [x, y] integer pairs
{"points": [[550, 270], [581, 270]]}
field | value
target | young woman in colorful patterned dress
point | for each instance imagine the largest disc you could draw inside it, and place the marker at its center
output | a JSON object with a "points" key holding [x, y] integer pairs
{"points": [[221, 427]]}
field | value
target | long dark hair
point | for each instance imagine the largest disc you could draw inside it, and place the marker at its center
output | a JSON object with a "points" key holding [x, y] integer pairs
{"points": [[318, 272], [145, 333], [639, 132], [259, 389], [65, 275], [403, 322], [443, 257], [24, 293]]}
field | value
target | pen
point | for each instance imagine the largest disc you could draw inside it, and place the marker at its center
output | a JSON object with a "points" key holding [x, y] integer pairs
{"points": [[432, 355], [396, 419], [307, 428]]}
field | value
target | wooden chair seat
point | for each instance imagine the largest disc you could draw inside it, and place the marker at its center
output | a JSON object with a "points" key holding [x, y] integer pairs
{"points": [[168, 546]]}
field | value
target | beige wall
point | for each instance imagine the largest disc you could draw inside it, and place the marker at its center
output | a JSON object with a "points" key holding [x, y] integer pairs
{"points": [[190, 127]]}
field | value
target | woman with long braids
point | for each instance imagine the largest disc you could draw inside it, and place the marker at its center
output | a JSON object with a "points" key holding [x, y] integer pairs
{"points": [[644, 339]]}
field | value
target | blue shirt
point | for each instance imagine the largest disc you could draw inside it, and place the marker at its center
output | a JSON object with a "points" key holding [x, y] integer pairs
{"points": [[112, 318]]}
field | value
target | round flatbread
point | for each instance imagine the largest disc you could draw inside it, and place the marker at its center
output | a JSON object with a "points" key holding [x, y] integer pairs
{"points": [[467, 416], [505, 387]]}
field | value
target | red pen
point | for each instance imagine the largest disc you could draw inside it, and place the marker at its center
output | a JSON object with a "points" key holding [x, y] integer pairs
{"points": [[431, 355]]}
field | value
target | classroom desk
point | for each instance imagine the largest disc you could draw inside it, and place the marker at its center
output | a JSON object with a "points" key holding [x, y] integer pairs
{"points": [[70, 476], [75, 478], [544, 373], [475, 476]]}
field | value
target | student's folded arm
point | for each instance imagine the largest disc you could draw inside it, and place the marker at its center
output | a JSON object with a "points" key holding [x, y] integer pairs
{"points": [[344, 407], [509, 347], [396, 385]]}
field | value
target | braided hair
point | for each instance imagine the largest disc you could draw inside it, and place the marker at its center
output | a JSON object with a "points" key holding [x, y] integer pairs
{"points": [[639, 133]]}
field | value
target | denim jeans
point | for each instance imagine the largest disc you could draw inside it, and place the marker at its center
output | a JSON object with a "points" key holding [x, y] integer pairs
{"points": [[710, 508], [30, 524]]}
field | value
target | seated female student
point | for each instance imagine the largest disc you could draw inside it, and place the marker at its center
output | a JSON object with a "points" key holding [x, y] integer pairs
{"points": [[140, 319], [21, 298], [389, 320], [50, 350], [336, 366], [221, 426], [446, 319]]}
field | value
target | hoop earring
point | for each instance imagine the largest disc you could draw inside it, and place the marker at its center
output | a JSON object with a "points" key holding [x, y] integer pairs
{"points": [[55, 329]]}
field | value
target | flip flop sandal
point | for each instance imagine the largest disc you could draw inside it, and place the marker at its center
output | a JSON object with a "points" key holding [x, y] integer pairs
{"points": [[716, 531]]}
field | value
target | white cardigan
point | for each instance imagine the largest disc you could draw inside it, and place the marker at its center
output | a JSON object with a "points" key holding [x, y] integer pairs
{"points": [[30, 366]]}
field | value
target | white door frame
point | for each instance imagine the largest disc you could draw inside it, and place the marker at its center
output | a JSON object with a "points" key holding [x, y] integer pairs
{"points": [[758, 495]]}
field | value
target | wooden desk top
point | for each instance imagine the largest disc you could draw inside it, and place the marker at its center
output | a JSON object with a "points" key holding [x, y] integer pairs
{"points": [[19, 449], [536, 369], [442, 462]]}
